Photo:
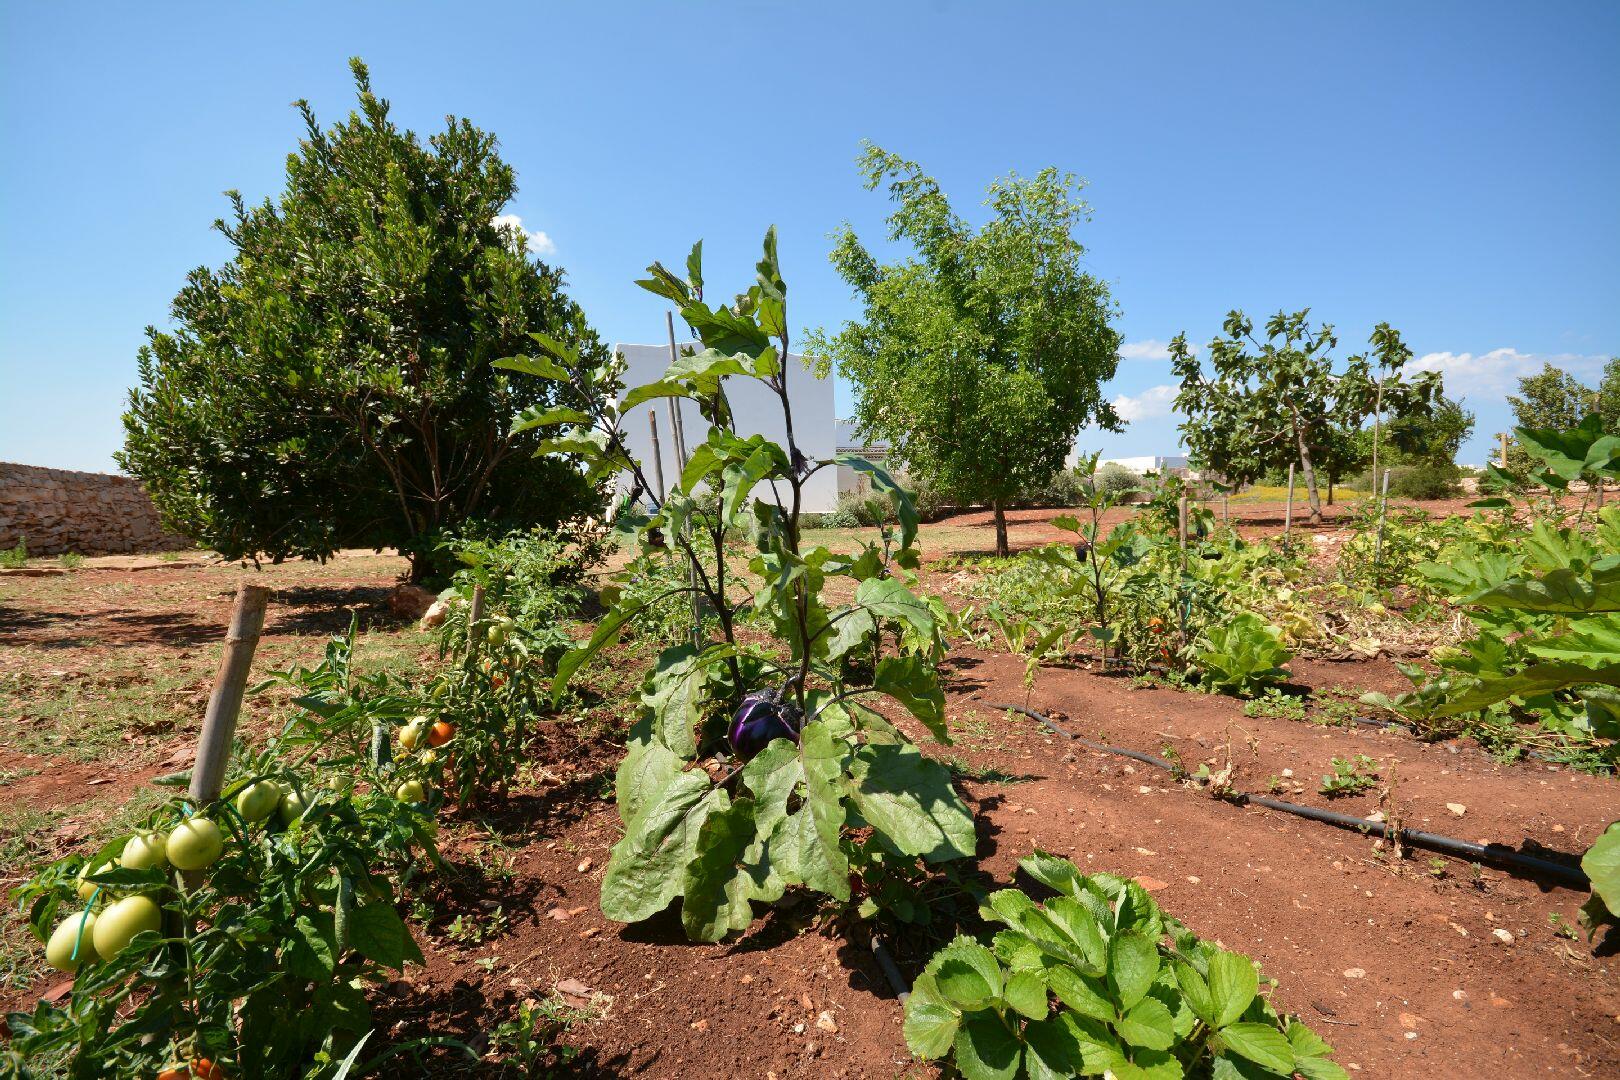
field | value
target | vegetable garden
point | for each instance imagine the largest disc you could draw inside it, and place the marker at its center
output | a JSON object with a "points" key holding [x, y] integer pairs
{"points": [[728, 791]]}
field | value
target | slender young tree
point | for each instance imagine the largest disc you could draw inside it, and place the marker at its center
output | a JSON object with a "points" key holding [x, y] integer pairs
{"points": [[330, 386], [1266, 404], [981, 356]]}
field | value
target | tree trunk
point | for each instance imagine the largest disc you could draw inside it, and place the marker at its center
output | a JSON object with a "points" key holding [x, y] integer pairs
{"points": [[420, 565], [1002, 551], [1310, 478]]}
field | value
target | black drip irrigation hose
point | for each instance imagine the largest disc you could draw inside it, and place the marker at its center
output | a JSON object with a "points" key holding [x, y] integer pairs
{"points": [[891, 970], [1498, 854]]}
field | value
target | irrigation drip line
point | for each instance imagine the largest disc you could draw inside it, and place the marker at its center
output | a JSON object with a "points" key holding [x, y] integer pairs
{"points": [[891, 970], [1504, 856]]}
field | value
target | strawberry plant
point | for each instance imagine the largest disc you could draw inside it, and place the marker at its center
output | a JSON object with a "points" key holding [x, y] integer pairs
{"points": [[721, 815], [1097, 981]]}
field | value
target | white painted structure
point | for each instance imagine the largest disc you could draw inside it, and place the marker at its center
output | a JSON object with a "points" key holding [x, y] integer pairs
{"points": [[848, 441], [754, 408], [1158, 463]]}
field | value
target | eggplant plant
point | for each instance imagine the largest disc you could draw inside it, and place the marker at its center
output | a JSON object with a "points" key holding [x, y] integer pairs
{"points": [[753, 768]]}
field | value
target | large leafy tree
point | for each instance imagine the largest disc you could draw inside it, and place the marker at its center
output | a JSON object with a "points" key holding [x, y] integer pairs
{"points": [[982, 356], [1268, 403], [331, 384]]}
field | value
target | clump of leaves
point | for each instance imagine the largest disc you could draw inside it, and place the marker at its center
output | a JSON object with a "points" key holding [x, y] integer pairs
{"points": [[16, 556], [1242, 656], [1099, 981], [1349, 777], [1602, 865]]}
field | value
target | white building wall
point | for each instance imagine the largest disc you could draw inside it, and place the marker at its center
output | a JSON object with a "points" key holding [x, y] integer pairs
{"points": [[755, 410]]}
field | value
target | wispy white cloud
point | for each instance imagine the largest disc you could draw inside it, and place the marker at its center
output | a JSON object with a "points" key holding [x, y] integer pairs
{"points": [[539, 242], [1148, 349], [1498, 372], [1155, 401]]}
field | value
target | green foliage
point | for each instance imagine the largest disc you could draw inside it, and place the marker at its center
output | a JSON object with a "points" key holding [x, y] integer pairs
{"points": [[1136, 993], [1602, 865], [980, 358], [700, 825], [1268, 404], [1349, 777], [330, 385], [535, 578], [1241, 655], [16, 556], [259, 964]]}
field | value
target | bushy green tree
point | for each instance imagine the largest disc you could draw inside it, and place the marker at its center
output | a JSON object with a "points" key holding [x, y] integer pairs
{"points": [[330, 385], [1266, 404], [982, 356], [1552, 398]]}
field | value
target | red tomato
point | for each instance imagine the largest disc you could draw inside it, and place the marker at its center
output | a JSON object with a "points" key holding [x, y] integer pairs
{"points": [[441, 732]]}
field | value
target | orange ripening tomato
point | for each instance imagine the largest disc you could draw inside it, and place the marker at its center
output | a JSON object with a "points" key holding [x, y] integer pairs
{"points": [[203, 1069], [441, 732], [181, 1073]]}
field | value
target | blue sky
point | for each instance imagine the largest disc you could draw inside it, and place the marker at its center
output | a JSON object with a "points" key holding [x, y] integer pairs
{"points": [[1448, 167]]}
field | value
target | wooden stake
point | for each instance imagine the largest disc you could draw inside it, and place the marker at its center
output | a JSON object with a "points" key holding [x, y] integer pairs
{"points": [[658, 455], [230, 683], [677, 429], [1288, 514], [1181, 528], [1383, 505], [475, 615], [1504, 437]]}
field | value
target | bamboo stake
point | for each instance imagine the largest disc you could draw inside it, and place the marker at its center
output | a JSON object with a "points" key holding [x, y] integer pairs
{"points": [[230, 683], [475, 615], [658, 455], [1383, 506], [1288, 513], [679, 435]]}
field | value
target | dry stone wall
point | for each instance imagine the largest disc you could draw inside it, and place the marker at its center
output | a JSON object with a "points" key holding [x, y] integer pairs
{"points": [[57, 510]]}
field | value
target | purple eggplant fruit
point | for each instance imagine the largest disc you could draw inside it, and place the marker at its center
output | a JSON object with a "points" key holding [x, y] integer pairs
{"points": [[763, 716]]}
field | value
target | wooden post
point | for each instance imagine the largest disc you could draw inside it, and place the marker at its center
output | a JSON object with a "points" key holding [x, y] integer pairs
{"points": [[230, 683], [677, 431], [679, 435], [1226, 508], [1288, 512], [475, 615], [1181, 527], [1383, 504], [658, 455], [1504, 437]]}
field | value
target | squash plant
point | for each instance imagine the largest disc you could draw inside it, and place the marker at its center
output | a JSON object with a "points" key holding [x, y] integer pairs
{"points": [[1097, 981], [719, 822]]}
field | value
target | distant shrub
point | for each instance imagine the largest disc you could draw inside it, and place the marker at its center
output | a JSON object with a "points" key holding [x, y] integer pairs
{"points": [[1114, 477], [71, 560], [16, 557], [1425, 480]]}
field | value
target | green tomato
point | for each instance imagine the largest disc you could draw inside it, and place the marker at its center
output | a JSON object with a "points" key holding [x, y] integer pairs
{"points": [[292, 807], [195, 843], [87, 889], [117, 926], [428, 757], [411, 734], [498, 631], [144, 851], [59, 950], [258, 801], [411, 791]]}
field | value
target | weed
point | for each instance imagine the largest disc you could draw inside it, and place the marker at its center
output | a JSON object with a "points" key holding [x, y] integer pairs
{"points": [[1560, 926], [15, 558], [528, 1041], [1350, 777], [1273, 704], [70, 560]]}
